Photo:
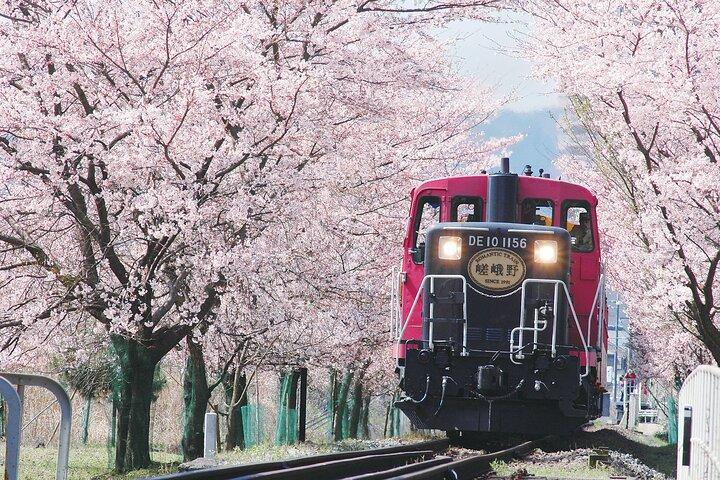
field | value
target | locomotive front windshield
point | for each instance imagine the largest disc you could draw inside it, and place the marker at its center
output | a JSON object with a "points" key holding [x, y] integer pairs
{"points": [[537, 211], [466, 209]]}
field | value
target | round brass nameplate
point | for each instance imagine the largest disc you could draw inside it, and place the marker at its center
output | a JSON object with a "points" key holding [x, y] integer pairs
{"points": [[497, 269]]}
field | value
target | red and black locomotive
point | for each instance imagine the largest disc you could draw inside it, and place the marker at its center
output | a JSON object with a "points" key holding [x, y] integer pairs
{"points": [[500, 320]]}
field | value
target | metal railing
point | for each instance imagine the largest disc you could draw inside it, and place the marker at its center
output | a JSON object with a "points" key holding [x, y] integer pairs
{"points": [[516, 351], [699, 425], [12, 429], [395, 302], [14, 399], [598, 309], [414, 304]]}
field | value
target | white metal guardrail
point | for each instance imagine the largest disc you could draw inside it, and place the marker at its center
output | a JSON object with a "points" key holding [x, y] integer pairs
{"points": [[12, 429], [14, 399], [698, 454]]}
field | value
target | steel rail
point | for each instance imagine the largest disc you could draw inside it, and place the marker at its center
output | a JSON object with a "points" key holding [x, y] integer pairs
{"points": [[471, 467], [340, 469], [395, 472], [241, 471]]}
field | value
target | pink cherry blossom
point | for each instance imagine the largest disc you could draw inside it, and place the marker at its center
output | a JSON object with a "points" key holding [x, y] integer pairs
{"points": [[638, 75]]}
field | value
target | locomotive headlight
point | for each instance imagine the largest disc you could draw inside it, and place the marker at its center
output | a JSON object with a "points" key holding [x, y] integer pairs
{"points": [[450, 248], [545, 251]]}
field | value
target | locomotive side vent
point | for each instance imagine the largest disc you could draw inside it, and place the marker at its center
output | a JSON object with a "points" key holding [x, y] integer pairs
{"points": [[495, 334], [474, 334]]}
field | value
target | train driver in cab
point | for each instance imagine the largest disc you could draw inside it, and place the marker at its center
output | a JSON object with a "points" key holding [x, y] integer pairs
{"points": [[582, 234]]}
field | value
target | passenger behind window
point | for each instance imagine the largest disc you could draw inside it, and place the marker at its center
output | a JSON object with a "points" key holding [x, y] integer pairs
{"points": [[582, 234], [466, 212]]}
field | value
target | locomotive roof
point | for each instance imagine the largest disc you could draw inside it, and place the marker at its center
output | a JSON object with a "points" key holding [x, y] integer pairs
{"points": [[531, 186]]}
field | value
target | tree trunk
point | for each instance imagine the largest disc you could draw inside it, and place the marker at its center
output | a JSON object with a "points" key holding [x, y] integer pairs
{"points": [[357, 404], [389, 423], [115, 405], [705, 322], [85, 426], [332, 401], [236, 398], [354, 421], [340, 406], [292, 399], [292, 404], [286, 431], [396, 415], [135, 393], [366, 417], [196, 395], [133, 386]]}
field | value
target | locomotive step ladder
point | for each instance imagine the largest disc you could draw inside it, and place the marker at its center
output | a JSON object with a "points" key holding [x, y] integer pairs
{"points": [[432, 279]]}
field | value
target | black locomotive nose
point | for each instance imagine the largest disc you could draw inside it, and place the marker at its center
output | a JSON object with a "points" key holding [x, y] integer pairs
{"points": [[424, 356]]}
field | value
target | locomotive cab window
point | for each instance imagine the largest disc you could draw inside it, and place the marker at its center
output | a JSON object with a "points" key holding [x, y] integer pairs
{"points": [[537, 211], [466, 209], [426, 215], [577, 220]]}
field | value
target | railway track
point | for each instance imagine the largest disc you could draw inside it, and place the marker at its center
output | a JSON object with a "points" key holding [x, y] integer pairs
{"points": [[419, 461]]}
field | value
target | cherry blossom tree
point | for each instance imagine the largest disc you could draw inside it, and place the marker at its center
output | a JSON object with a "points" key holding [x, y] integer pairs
{"points": [[171, 169], [639, 76]]}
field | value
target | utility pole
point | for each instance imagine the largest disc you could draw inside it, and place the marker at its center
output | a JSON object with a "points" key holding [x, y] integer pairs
{"points": [[615, 357]]}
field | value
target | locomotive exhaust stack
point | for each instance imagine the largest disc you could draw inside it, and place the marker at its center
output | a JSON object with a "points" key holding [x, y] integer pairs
{"points": [[502, 194]]}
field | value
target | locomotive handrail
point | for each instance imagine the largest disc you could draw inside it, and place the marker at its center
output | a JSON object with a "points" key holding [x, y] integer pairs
{"points": [[599, 302], [603, 303], [432, 310], [395, 314], [577, 324], [522, 329], [522, 326], [412, 310]]}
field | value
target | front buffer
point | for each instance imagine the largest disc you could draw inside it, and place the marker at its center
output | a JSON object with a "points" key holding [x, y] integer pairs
{"points": [[475, 394]]}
